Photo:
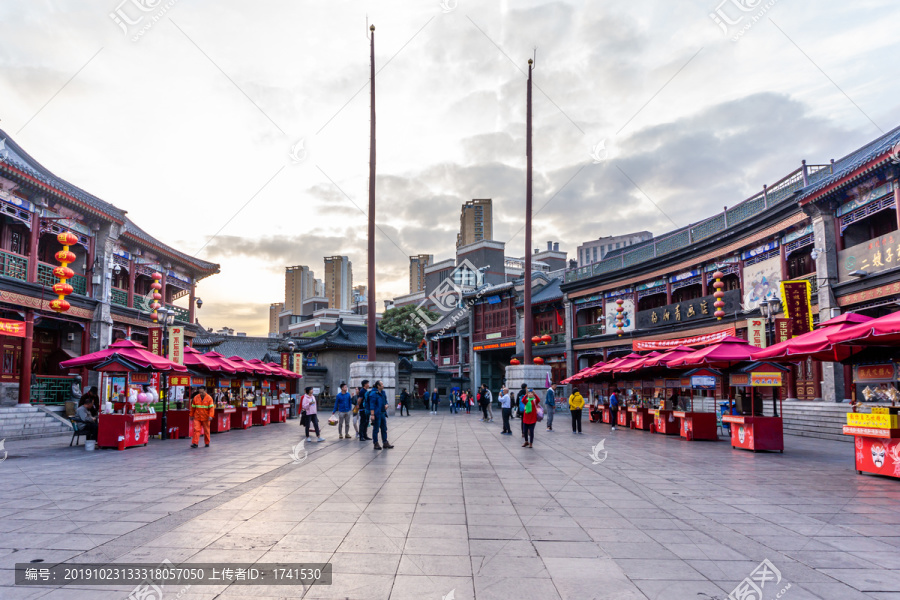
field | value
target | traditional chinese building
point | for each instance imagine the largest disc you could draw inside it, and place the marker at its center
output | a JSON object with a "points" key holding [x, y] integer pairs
{"points": [[114, 262]]}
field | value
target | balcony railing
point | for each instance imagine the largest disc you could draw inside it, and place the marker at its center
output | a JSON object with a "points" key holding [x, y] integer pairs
{"points": [[45, 275], [13, 265], [181, 314], [52, 390], [555, 338], [589, 330], [117, 296]]}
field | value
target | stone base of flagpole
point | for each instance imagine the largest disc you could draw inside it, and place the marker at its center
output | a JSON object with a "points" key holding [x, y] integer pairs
{"points": [[386, 372], [533, 376]]}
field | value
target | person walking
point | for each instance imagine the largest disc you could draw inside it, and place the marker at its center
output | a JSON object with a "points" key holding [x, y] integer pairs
{"points": [[550, 407], [308, 402], [613, 407], [529, 418], [520, 404], [464, 399], [505, 409], [454, 408], [202, 410], [488, 399], [377, 404], [404, 402], [343, 404], [363, 411], [576, 404], [435, 400]]}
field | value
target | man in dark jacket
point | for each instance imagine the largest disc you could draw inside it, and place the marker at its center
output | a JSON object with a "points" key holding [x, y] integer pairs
{"points": [[520, 404], [435, 400], [376, 400], [363, 411], [404, 402]]}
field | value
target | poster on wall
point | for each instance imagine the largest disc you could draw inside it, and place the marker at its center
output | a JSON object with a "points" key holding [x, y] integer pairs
{"points": [[761, 282], [627, 316]]}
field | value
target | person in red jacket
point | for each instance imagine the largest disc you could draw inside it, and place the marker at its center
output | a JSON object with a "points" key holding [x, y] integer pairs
{"points": [[529, 418], [202, 410]]}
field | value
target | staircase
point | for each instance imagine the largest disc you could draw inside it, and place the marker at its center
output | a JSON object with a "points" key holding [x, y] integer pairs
{"points": [[824, 420], [28, 422]]}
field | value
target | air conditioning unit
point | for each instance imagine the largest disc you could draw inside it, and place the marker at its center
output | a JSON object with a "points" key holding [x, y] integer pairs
{"points": [[70, 337]]}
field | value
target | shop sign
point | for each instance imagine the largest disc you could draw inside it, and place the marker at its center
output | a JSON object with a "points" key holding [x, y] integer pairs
{"points": [[739, 380], [878, 254], [154, 344], [684, 382], [198, 381], [224, 383], [298, 363], [883, 372], [689, 310], [282, 385], [706, 382], [872, 294], [286, 361], [782, 330], [673, 383], [176, 344], [493, 336], [183, 380], [494, 346], [265, 385], [878, 421], [247, 383], [697, 340], [660, 383], [12, 328], [756, 332], [795, 297], [140, 378], [765, 379]]}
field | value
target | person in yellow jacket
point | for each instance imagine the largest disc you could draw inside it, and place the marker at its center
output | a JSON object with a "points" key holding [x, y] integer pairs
{"points": [[202, 410], [576, 404]]}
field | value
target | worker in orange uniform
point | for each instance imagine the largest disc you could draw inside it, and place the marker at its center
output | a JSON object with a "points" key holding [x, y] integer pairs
{"points": [[202, 410]]}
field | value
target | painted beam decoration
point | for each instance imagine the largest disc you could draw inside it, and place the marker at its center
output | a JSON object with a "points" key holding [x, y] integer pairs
{"points": [[797, 303], [65, 257]]}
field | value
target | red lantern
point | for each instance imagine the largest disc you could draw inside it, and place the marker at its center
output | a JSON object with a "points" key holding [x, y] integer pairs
{"points": [[64, 256], [156, 286], [67, 238], [620, 316], [546, 338], [514, 361], [63, 289], [536, 340], [64, 272], [538, 361], [718, 295], [59, 305]]}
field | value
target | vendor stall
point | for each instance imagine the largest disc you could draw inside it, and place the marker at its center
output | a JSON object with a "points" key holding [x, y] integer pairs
{"points": [[750, 430], [262, 416], [242, 417], [876, 437], [221, 420], [664, 422], [123, 431], [280, 413], [640, 418]]}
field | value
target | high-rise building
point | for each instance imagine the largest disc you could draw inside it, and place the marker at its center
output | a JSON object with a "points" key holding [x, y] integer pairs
{"points": [[596, 250], [475, 222], [417, 266], [299, 284], [338, 282], [274, 309]]}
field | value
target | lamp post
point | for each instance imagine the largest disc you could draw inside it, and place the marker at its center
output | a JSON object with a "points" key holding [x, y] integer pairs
{"points": [[768, 309], [166, 318]]}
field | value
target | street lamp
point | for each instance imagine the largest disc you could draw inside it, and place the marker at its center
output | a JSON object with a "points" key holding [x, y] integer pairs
{"points": [[770, 308], [166, 318]]}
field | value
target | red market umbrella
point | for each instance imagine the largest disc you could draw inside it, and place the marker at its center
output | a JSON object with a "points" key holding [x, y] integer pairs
{"points": [[581, 374], [284, 372], [194, 358], [724, 353], [663, 359], [131, 351], [247, 367], [260, 364], [637, 364], [614, 365], [229, 366], [883, 331], [816, 344]]}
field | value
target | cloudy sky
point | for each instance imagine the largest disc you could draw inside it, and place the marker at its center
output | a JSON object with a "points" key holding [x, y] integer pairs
{"points": [[239, 131]]}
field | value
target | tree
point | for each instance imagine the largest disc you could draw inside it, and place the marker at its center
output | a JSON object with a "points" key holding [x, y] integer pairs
{"points": [[312, 334], [405, 323]]}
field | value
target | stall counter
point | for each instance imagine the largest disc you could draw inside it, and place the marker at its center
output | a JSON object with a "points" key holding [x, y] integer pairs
{"points": [[280, 413], [623, 418], [242, 418], [877, 450], [664, 422], [133, 429], [640, 419], [221, 421], [697, 425], [755, 433], [263, 416]]}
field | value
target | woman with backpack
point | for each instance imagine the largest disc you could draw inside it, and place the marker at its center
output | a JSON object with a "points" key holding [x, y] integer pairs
{"points": [[530, 418]]}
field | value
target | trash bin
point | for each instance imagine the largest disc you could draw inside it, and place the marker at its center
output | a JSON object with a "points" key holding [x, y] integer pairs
{"points": [[293, 410]]}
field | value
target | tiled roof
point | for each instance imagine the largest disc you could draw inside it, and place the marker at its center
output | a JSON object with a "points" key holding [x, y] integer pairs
{"points": [[417, 366], [132, 229], [247, 348], [548, 293], [352, 337]]}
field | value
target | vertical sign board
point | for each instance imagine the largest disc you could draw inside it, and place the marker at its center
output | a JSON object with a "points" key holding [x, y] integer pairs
{"points": [[155, 341], [286, 361], [176, 344], [795, 297], [756, 332], [298, 363], [782, 330]]}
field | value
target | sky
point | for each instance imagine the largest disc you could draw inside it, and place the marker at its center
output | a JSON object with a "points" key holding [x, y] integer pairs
{"points": [[239, 132]]}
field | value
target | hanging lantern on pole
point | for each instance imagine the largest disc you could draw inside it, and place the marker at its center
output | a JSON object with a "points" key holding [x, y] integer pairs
{"points": [[719, 294], [514, 361], [156, 286], [65, 257], [546, 338], [536, 340], [538, 360], [620, 316]]}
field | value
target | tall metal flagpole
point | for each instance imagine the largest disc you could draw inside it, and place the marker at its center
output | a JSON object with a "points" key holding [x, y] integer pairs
{"points": [[528, 324], [370, 318]]}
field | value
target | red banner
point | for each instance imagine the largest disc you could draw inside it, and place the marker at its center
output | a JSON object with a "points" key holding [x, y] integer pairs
{"points": [[180, 380], [795, 296], [155, 341], [782, 330], [12, 328], [286, 360], [697, 340]]}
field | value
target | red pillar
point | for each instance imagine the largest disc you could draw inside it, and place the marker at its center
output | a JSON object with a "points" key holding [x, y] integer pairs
{"points": [[131, 277], [704, 284], [33, 247], [668, 291], [192, 301], [27, 350]]}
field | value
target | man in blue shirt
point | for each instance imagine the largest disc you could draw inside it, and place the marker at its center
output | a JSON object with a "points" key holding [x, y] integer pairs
{"points": [[363, 411], [549, 407], [343, 404], [377, 404]]}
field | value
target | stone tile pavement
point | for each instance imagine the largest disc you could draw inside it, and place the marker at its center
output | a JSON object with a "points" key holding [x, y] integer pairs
{"points": [[456, 507]]}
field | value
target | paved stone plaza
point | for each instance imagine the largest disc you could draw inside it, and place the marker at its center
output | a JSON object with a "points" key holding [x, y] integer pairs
{"points": [[458, 507]]}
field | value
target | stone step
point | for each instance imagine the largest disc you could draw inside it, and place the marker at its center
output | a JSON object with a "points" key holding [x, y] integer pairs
{"points": [[37, 435]]}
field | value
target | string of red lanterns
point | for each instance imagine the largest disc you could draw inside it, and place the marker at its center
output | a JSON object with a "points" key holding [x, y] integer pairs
{"points": [[65, 257], [620, 316], [156, 286], [719, 294]]}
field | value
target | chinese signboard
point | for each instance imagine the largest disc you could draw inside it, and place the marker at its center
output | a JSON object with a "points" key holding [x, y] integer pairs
{"points": [[689, 310], [739, 380], [480, 347], [782, 330], [878, 421], [176, 344], [765, 379], [12, 328], [697, 340], [873, 294], [155, 341], [878, 254], [875, 372], [795, 297], [224, 383], [703, 382], [298, 363], [180, 380], [286, 361], [756, 332]]}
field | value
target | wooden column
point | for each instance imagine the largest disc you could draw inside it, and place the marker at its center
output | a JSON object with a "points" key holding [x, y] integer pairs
{"points": [[704, 287], [33, 246], [27, 350], [132, 275], [193, 302], [668, 291], [784, 270], [89, 273]]}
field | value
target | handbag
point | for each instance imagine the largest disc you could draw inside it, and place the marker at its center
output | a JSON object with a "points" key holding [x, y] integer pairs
{"points": [[355, 409], [332, 420], [540, 413]]}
